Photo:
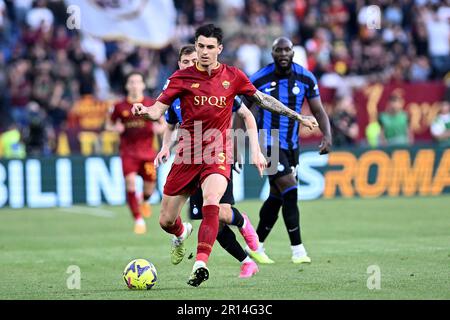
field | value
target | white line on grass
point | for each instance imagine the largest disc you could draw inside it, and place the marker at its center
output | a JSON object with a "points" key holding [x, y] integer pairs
{"points": [[98, 212]]}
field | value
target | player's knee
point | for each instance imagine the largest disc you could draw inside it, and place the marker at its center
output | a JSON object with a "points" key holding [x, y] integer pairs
{"points": [[225, 213], [290, 194], [165, 223], [211, 198]]}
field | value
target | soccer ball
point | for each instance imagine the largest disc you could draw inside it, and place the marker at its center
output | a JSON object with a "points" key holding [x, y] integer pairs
{"points": [[140, 274]]}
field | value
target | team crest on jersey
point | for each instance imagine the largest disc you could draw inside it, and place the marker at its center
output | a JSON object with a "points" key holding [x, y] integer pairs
{"points": [[226, 84], [195, 85], [125, 113]]}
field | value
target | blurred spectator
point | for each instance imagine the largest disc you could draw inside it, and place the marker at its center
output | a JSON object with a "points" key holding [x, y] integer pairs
{"points": [[343, 123], [21, 8], [438, 41], [420, 69], [11, 146], [249, 55], [60, 40], [38, 136], [40, 16], [440, 128], [2, 14], [20, 92], [332, 39], [373, 132], [86, 78], [395, 124]]}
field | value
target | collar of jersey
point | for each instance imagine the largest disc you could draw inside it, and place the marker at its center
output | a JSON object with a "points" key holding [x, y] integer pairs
{"points": [[200, 68], [139, 101]]}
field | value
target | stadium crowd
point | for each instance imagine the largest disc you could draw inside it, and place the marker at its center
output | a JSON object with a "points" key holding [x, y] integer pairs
{"points": [[45, 67]]}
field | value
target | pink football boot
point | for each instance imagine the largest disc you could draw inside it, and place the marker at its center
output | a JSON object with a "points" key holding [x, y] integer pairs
{"points": [[249, 234], [248, 269]]}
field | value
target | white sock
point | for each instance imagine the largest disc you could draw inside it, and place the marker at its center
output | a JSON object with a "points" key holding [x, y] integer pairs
{"points": [[183, 234], [139, 221], [298, 250], [246, 260], [198, 264], [260, 247]]}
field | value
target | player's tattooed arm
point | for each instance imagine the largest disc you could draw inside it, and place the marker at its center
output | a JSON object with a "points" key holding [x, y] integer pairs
{"points": [[271, 104], [154, 112]]}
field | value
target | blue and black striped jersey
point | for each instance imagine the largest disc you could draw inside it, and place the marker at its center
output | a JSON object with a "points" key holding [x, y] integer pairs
{"points": [[291, 91], [173, 114]]}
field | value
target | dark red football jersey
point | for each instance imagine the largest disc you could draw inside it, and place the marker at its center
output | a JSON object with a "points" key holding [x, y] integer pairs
{"points": [[137, 139], [206, 101]]}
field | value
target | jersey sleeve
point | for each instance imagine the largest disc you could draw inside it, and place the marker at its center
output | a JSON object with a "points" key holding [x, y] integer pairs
{"points": [[313, 88], [171, 115], [244, 85], [237, 103], [171, 90]]}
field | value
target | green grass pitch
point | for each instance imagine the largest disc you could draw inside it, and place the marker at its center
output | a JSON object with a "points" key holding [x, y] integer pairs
{"points": [[407, 238]]}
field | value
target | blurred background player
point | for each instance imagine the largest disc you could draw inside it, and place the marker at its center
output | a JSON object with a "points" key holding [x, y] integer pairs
{"points": [[136, 147], [290, 83], [227, 213]]}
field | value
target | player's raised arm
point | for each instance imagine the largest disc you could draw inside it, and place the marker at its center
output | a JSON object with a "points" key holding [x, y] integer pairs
{"points": [[271, 104], [153, 112]]}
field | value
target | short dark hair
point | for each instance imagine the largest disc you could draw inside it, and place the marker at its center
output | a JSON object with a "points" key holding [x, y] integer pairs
{"points": [[209, 31], [134, 73], [185, 50], [394, 97]]}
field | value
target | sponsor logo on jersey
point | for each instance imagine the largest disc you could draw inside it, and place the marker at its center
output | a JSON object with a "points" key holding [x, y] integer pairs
{"points": [[219, 102]]}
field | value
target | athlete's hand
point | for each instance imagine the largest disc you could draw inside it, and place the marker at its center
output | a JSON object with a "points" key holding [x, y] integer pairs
{"points": [[119, 127], [308, 121], [325, 145], [260, 162], [238, 165], [139, 109], [162, 157]]}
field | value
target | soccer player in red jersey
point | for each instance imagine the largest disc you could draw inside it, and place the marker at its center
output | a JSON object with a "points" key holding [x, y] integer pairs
{"points": [[228, 213], [206, 91], [136, 147]]}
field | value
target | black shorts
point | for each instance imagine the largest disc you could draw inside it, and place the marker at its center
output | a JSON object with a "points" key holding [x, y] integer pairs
{"points": [[196, 201], [288, 161]]}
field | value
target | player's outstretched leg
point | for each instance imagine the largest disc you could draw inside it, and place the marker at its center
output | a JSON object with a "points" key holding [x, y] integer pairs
{"points": [[178, 250], [232, 216], [227, 240], [213, 188], [148, 173], [199, 274], [291, 216], [207, 235], [170, 221], [132, 201], [268, 216], [249, 233], [145, 207]]}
